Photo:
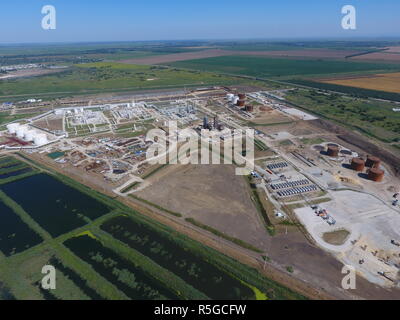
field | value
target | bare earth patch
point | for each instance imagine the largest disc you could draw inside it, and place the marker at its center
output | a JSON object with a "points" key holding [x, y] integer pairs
{"points": [[379, 56], [210, 53], [211, 194], [337, 237]]}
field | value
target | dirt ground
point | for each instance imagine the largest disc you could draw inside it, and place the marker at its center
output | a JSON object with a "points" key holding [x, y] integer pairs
{"points": [[50, 123], [180, 57], [336, 237], [29, 73], [270, 117], [297, 128], [378, 56], [211, 194], [394, 49]]}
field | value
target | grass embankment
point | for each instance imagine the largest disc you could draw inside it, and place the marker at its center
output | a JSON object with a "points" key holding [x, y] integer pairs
{"points": [[223, 235], [176, 214], [145, 176], [261, 206]]}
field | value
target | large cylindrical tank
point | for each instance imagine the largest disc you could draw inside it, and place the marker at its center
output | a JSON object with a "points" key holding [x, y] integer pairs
{"points": [[242, 96], [29, 135], [40, 139], [373, 162], [333, 151], [21, 131], [376, 174], [12, 128], [235, 100], [249, 108], [230, 97], [241, 103], [358, 164]]}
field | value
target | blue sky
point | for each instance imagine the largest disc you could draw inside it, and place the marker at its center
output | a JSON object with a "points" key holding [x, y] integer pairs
{"points": [[126, 20]]}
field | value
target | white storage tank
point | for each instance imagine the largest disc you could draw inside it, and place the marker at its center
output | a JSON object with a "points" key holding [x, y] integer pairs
{"points": [[40, 139], [12, 128], [21, 131], [235, 99], [30, 135], [230, 97]]}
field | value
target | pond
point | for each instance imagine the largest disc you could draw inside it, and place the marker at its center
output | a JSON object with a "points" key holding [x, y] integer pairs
{"points": [[15, 235], [120, 272], [57, 207], [191, 267], [14, 173]]}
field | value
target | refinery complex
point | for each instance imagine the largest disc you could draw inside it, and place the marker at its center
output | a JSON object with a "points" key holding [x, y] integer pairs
{"points": [[344, 198]]}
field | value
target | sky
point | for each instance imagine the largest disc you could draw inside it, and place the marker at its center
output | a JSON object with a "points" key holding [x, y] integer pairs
{"points": [[137, 20]]}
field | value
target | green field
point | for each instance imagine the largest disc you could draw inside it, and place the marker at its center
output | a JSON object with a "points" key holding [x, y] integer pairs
{"points": [[109, 77], [5, 117], [373, 118], [67, 54], [276, 68]]}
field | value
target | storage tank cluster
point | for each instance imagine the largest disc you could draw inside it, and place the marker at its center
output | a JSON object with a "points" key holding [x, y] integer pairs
{"points": [[242, 100], [333, 151], [374, 173], [232, 98], [23, 132], [237, 100]]}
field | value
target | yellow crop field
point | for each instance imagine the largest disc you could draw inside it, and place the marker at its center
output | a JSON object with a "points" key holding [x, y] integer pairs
{"points": [[389, 82]]}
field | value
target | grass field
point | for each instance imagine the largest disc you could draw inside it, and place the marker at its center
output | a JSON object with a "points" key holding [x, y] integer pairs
{"points": [[5, 117], [373, 118], [389, 82], [271, 67], [109, 77]]}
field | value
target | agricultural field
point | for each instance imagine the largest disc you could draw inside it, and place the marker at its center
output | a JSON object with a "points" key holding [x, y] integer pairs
{"points": [[68, 54], [264, 67], [110, 77], [389, 82], [105, 250]]}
